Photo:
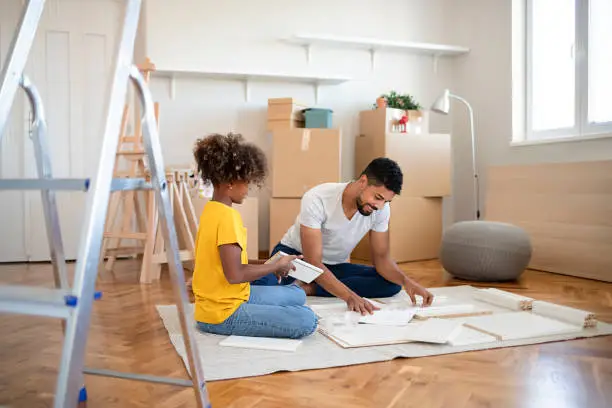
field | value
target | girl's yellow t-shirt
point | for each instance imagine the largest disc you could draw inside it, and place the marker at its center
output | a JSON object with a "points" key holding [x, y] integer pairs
{"points": [[215, 298]]}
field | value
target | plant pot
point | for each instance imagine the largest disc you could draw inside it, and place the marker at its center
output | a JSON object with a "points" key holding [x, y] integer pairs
{"points": [[381, 103]]}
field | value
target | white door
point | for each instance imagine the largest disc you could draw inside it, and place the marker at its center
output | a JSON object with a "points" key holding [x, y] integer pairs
{"points": [[12, 212], [70, 63]]}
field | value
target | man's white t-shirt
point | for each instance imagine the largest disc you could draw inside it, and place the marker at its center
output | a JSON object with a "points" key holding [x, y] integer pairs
{"points": [[321, 208]]}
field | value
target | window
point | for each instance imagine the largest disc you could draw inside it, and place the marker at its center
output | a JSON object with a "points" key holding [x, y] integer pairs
{"points": [[569, 68]]}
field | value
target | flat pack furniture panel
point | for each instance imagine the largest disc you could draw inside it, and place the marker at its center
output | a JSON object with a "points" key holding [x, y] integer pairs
{"points": [[565, 207]]}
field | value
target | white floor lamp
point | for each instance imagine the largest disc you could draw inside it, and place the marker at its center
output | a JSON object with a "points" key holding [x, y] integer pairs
{"points": [[442, 105], [485, 251]]}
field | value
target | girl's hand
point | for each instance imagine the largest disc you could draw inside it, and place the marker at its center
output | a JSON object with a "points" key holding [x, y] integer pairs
{"points": [[284, 265]]}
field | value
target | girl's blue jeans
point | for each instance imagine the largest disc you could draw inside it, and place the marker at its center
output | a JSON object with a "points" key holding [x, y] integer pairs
{"points": [[271, 311]]}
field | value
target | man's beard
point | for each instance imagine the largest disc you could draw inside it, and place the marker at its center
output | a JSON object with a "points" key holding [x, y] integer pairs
{"points": [[361, 209]]}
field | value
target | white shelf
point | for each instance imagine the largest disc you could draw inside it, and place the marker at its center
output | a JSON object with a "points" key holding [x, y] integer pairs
{"points": [[374, 45], [248, 77]]}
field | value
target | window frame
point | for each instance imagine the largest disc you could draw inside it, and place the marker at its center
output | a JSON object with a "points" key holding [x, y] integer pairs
{"points": [[582, 128]]}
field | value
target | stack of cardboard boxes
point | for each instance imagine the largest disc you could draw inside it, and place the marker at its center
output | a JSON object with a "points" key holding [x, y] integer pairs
{"points": [[301, 159], [416, 215]]}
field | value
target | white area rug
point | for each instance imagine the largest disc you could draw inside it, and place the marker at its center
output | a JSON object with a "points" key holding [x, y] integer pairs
{"points": [[317, 351]]}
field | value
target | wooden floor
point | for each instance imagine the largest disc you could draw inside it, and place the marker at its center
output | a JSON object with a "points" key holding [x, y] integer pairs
{"points": [[128, 335]]}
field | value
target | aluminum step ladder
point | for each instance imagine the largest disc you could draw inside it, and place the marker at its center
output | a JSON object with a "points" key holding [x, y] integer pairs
{"points": [[74, 304]]}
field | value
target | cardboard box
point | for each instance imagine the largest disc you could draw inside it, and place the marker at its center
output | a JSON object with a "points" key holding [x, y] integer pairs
{"points": [[285, 109], [283, 124], [418, 122], [283, 212], [415, 230], [249, 210], [304, 158], [377, 122], [425, 160]]}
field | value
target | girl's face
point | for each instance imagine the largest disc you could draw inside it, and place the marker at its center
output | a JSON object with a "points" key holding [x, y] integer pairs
{"points": [[238, 191]]}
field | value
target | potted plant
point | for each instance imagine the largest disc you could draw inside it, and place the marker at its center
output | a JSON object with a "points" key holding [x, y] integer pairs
{"points": [[407, 103], [399, 101]]}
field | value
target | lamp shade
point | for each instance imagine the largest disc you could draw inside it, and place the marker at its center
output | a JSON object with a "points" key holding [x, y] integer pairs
{"points": [[442, 104]]}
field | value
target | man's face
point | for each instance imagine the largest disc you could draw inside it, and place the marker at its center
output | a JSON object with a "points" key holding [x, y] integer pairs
{"points": [[373, 198]]}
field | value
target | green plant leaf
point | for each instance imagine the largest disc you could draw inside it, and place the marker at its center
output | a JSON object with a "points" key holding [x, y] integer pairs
{"points": [[401, 101]]}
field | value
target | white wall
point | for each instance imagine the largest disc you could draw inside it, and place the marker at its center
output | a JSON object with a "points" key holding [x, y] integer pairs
{"points": [[238, 35], [485, 80]]}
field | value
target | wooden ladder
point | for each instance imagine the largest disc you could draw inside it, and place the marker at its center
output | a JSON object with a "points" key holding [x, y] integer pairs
{"points": [[130, 218]]}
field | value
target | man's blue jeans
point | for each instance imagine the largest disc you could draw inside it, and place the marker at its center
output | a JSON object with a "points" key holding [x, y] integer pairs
{"points": [[361, 279], [271, 311]]}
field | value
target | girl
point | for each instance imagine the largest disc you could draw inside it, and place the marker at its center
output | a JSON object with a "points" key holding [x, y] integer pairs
{"points": [[225, 301]]}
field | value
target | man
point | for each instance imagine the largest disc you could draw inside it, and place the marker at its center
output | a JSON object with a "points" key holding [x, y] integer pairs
{"points": [[333, 219]]}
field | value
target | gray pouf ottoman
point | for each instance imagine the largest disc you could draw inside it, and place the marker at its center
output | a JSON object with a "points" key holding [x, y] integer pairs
{"points": [[485, 251]]}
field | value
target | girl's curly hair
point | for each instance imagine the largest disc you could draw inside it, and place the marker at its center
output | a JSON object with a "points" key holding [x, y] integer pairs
{"points": [[229, 158]]}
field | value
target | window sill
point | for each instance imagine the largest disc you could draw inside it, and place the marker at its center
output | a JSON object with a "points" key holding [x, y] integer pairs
{"points": [[566, 139]]}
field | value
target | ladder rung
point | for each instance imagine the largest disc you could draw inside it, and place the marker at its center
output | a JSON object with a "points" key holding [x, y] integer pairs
{"points": [[34, 301], [131, 139], [129, 174], [126, 235], [120, 184], [71, 184], [138, 377], [38, 301], [125, 251], [131, 152], [45, 184], [131, 155]]}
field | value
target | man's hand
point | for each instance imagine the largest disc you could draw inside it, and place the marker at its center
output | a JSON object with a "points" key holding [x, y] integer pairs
{"points": [[358, 304], [379, 244], [285, 265], [413, 289]]}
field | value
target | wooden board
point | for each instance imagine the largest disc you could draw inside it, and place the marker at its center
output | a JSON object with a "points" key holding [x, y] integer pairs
{"points": [[565, 207], [519, 325], [436, 331]]}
